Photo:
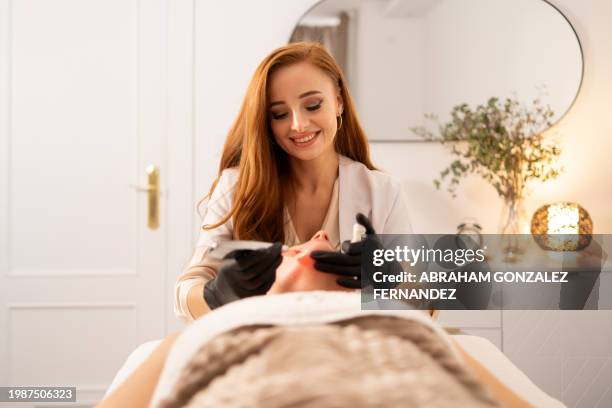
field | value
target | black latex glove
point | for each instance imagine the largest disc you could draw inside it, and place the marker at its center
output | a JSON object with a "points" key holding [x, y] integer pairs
{"points": [[347, 263], [243, 273]]}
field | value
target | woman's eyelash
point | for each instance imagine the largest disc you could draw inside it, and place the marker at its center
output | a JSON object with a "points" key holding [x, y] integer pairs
{"points": [[314, 107], [311, 108], [279, 116]]}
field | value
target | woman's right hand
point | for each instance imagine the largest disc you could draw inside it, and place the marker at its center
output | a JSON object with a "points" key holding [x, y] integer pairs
{"points": [[243, 273]]}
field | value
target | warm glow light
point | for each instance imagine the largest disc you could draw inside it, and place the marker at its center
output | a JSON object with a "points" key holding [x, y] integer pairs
{"points": [[563, 218], [562, 227]]}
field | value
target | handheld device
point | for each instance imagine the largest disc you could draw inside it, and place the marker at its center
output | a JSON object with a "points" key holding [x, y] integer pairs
{"points": [[359, 232]]}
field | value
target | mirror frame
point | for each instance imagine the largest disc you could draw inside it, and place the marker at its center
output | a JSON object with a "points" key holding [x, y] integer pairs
{"points": [[569, 108]]}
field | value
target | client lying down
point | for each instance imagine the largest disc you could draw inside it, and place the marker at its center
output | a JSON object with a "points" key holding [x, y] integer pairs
{"points": [[308, 344], [297, 273]]}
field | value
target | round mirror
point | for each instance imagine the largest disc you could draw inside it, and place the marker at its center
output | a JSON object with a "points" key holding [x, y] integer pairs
{"points": [[404, 59]]}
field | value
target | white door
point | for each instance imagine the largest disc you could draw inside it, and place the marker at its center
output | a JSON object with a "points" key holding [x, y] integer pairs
{"points": [[83, 112]]}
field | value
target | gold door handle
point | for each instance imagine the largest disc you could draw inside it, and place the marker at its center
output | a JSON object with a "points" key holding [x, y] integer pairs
{"points": [[152, 190], [153, 197]]}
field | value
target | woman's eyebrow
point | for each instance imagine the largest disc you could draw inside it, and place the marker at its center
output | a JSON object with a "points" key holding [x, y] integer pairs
{"points": [[305, 94]]}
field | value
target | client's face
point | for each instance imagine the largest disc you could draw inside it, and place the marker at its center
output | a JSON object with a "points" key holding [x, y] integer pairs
{"points": [[297, 273]]}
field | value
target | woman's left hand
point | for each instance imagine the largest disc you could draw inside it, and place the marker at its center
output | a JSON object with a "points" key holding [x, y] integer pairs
{"points": [[347, 263]]}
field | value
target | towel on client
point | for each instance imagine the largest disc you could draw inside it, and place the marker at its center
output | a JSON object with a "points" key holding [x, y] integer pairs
{"points": [[373, 360]]}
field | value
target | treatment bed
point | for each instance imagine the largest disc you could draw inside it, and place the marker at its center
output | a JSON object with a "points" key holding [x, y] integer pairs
{"points": [[322, 307]]}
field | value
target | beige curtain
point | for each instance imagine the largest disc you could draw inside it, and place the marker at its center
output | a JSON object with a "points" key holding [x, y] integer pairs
{"points": [[334, 38]]}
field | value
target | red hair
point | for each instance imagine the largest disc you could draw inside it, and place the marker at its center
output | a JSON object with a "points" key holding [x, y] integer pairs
{"points": [[258, 204]]}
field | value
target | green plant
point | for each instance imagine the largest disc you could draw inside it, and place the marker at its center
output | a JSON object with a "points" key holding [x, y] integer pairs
{"points": [[501, 142]]}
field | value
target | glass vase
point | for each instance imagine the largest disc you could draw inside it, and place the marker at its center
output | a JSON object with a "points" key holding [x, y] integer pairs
{"points": [[513, 228]]}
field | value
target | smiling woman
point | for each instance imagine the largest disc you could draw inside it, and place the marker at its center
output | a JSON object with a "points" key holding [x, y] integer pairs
{"points": [[295, 161], [304, 95]]}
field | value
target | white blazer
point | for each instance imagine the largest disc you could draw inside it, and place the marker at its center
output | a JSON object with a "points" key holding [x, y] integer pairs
{"points": [[374, 194]]}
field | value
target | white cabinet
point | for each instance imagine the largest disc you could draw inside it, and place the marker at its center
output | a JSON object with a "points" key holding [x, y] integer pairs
{"points": [[485, 323]]}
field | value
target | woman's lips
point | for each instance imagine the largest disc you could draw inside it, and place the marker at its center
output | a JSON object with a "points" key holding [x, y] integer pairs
{"points": [[305, 141]]}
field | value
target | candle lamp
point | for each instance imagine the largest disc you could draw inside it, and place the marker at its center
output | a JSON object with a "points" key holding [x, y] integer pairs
{"points": [[562, 226]]}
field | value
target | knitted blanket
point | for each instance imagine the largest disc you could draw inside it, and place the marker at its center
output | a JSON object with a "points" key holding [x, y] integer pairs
{"points": [[370, 361]]}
